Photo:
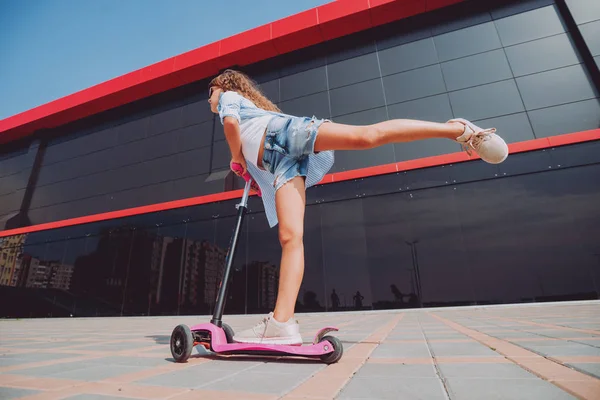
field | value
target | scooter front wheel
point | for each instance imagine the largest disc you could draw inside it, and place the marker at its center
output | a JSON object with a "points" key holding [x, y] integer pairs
{"points": [[336, 354], [182, 343]]}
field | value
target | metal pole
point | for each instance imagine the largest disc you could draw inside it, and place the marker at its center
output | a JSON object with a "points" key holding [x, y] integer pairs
{"points": [[418, 271], [415, 261], [182, 272], [221, 297]]}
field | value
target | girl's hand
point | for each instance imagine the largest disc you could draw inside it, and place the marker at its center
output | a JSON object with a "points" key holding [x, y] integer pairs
{"points": [[241, 170], [242, 162]]}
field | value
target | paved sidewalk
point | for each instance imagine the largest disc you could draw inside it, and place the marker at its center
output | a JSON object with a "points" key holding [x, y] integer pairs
{"points": [[541, 351]]}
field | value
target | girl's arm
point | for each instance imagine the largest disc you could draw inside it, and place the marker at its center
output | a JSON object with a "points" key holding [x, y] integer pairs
{"points": [[232, 134], [229, 113]]}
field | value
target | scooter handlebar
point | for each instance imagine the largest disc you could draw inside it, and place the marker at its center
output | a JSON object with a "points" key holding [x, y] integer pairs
{"points": [[246, 192], [237, 168]]}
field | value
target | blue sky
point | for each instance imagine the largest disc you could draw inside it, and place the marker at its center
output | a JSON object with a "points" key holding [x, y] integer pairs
{"points": [[52, 48]]}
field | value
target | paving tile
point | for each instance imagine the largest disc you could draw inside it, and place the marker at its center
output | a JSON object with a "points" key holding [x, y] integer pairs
{"points": [[45, 383], [13, 393], [461, 349], [393, 388], [297, 367], [117, 346], [42, 345], [589, 368], [595, 327], [97, 372], [258, 382], [567, 333], [591, 341], [132, 361], [194, 377], [492, 371], [405, 336], [16, 359], [396, 370], [513, 389], [447, 337], [49, 370], [232, 364], [520, 335], [222, 395], [96, 397], [567, 349], [386, 350], [540, 342]]}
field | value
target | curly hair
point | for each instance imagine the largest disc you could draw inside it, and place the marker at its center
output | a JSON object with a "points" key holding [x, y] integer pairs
{"points": [[230, 80]]}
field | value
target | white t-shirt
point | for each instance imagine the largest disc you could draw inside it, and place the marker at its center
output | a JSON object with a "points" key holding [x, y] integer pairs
{"points": [[251, 133]]}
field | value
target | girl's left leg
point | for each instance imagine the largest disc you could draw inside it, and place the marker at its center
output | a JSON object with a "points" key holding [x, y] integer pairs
{"points": [[334, 136], [489, 146]]}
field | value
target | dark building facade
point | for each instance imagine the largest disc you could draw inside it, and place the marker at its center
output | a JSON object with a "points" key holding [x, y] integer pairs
{"points": [[404, 225]]}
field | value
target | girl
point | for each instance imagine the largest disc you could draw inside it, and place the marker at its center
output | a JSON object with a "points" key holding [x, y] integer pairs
{"points": [[285, 155]]}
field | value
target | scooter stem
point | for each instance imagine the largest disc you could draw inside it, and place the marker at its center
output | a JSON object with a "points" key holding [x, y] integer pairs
{"points": [[242, 207]]}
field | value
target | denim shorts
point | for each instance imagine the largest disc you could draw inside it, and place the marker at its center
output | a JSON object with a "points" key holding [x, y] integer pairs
{"points": [[288, 143]]}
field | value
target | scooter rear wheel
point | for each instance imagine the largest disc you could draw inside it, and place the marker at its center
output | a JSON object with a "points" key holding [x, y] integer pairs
{"points": [[336, 354], [182, 343], [229, 333]]}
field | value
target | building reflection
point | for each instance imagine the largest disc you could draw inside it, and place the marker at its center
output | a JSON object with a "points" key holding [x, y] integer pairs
{"points": [[361, 254]]}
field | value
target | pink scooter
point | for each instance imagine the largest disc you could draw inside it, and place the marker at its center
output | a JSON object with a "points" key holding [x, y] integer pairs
{"points": [[218, 336]]}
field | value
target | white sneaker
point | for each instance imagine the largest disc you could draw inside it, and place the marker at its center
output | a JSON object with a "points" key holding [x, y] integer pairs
{"points": [[271, 331], [489, 146]]}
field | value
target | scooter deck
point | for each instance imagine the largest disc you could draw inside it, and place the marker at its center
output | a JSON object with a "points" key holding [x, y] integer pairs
{"points": [[219, 344]]}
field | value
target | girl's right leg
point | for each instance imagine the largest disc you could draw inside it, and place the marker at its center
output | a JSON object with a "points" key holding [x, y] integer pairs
{"points": [[280, 327], [489, 146]]}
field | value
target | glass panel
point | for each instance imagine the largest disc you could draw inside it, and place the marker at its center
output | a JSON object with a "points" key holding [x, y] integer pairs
{"points": [[520, 240], [101, 270], [35, 280], [236, 293], [437, 248], [314, 275], [203, 262], [262, 268], [264, 263], [393, 272], [344, 256], [156, 271], [575, 271], [58, 278], [85, 302], [22, 301]]}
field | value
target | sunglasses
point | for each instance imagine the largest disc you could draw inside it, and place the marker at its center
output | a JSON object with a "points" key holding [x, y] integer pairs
{"points": [[210, 91]]}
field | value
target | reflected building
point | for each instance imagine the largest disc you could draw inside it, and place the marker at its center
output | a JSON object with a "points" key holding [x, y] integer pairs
{"points": [[10, 249], [263, 280], [49, 275], [186, 272]]}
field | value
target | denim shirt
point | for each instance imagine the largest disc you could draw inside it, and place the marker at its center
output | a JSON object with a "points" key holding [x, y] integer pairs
{"points": [[232, 104]]}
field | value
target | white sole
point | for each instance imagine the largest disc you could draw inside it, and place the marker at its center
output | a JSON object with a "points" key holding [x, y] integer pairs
{"points": [[290, 341], [501, 161]]}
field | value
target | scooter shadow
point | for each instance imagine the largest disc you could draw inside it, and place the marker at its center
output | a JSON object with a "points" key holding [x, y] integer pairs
{"points": [[160, 339], [209, 355]]}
